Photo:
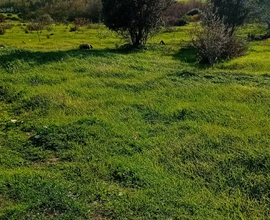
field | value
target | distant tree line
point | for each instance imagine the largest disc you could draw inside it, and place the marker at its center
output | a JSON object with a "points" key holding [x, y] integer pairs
{"points": [[234, 12], [69, 10], [59, 10]]}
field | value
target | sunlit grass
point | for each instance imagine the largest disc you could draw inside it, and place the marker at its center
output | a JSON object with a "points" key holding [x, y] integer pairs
{"points": [[114, 134]]}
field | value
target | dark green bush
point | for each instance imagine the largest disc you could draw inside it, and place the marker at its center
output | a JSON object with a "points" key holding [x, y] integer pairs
{"points": [[2, 18], [134, 20]]}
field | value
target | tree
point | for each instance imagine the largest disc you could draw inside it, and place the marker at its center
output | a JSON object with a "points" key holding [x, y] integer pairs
{"points": [[234, 12], [136, 19], [263, 11]]}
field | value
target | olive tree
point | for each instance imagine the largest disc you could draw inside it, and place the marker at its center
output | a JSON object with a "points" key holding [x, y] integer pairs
{"points": [[263, 11], [136, 19], [233, 12]]}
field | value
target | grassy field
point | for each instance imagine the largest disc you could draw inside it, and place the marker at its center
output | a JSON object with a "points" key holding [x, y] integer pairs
{"points": [[111, 134]]}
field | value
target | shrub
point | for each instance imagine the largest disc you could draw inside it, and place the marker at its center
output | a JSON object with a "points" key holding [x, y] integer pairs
{"points": [[134, 19], [37, 26], [9, 15], [173, 16], [2, 18], [7, 26], [45, 19], [33, 26], [2, 30], [4, 27], [213, 41], [80, 22]]}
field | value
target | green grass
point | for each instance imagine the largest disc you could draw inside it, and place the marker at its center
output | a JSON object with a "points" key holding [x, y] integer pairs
{"points": [[111, 134]]}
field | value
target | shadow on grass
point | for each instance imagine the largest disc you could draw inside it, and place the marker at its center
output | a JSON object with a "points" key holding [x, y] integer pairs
{"points": [[188, 55], [9, 58]]}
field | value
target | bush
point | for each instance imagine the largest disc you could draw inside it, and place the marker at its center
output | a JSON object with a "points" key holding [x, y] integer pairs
{"points": [[173, 16], [7, 26], [2, 18], [4, 27], [134, 19], [9, 15], [38, 27], [45, 19], [81, 22], [213, 41], [2, 30], [33, 27]]}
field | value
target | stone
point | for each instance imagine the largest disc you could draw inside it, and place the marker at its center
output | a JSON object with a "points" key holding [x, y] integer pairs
{"points": [[85, 47]]}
